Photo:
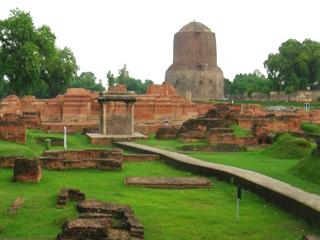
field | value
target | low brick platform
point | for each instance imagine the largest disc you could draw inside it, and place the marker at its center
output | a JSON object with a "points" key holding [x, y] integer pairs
{"points": [[102, 221], [27, 170], [164, 182], [222, 147], [82, 159], [67, 194], [100, 139]]}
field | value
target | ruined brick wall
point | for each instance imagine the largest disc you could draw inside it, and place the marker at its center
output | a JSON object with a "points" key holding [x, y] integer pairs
{"points": [[12, 128], [76, 105], [121, 88], [84, 154], [82, 159], [299, 96], [10, 104], [194, 69]]}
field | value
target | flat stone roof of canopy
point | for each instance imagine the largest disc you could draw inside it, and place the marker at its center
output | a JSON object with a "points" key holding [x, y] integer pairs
{"points": [[117, 97]]}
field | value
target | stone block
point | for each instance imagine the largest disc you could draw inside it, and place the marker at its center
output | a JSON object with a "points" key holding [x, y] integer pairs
{"points": [[16, 205], [164, 182], [27, 170], [67, 194], [12, 128], [166, 133]]}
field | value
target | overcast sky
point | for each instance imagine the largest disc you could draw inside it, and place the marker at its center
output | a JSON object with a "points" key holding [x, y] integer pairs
{"points": [[104, 35]]}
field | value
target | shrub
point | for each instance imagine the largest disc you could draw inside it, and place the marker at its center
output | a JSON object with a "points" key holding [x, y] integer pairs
{"points": [[309, 127], [308, 169], [288, 146]]}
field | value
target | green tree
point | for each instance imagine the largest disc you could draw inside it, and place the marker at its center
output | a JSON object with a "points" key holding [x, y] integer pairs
{"points": [[30, 60], [4, 87], [227, 87], [132, 84], [295, 67], [110, 79], [249, 83], [87, 80]]}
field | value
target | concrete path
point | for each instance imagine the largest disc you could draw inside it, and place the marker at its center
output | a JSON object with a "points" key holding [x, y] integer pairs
{"points": [[295, 200]]}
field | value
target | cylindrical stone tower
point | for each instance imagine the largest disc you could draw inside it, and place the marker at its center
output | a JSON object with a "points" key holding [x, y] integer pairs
{"points": [[194, 70]]}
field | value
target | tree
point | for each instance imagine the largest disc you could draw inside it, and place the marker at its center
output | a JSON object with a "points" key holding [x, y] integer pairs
{"points": [[227, 87], [132, 84], [110, 78], [30, 60], [295, 67], [4, 87], [249, 83], [87, 80]]}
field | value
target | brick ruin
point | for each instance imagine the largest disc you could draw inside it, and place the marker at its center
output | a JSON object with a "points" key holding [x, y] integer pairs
{"points": [[82, 159], [27, 170], [78, 109], [67, 194], [214, 126], [12, 128], [165, 182], [101, 221]]}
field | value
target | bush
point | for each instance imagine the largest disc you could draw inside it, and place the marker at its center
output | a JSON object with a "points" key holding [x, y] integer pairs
{"points": [[310, 128], [288, 146], [308, 169]]}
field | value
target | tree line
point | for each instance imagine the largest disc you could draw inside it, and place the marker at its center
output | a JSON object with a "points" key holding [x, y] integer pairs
{"points": [[32, 64], [295, 67]]}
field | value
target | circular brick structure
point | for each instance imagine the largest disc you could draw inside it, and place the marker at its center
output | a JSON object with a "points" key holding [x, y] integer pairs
{"points": [[194, 72]]}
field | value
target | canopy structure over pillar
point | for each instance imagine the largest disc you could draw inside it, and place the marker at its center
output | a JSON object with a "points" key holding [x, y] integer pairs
{"points": [[116, 123]]}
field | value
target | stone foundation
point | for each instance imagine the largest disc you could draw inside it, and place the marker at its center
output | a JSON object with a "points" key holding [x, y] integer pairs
{"points": [[167, 133], [100, 139], [27, 170], [215, 148], [67, 194], [99, 220], [214, 137], [178, 182], [12, 128], [83, 159]]}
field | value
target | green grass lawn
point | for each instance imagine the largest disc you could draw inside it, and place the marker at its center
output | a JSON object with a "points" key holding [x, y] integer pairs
{"points": [[251, 160], [311, 128], [33, 147], [165, 214], [172, 145]]}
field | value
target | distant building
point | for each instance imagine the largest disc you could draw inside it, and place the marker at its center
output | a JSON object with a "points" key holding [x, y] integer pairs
{"points": [[194, 72]]}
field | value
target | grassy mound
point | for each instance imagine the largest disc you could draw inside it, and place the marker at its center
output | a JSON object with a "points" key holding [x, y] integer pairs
{"points": [[308, 169], [15, 149], [240, 132], [311, 128], [35, 146], [288, 146]]}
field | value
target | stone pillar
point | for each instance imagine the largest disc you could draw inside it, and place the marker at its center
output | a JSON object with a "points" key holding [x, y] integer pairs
{"points": [[104, 125], [131, 114]]}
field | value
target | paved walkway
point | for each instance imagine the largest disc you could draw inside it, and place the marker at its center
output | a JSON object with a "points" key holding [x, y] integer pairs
{"points": [[293, 195]]}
